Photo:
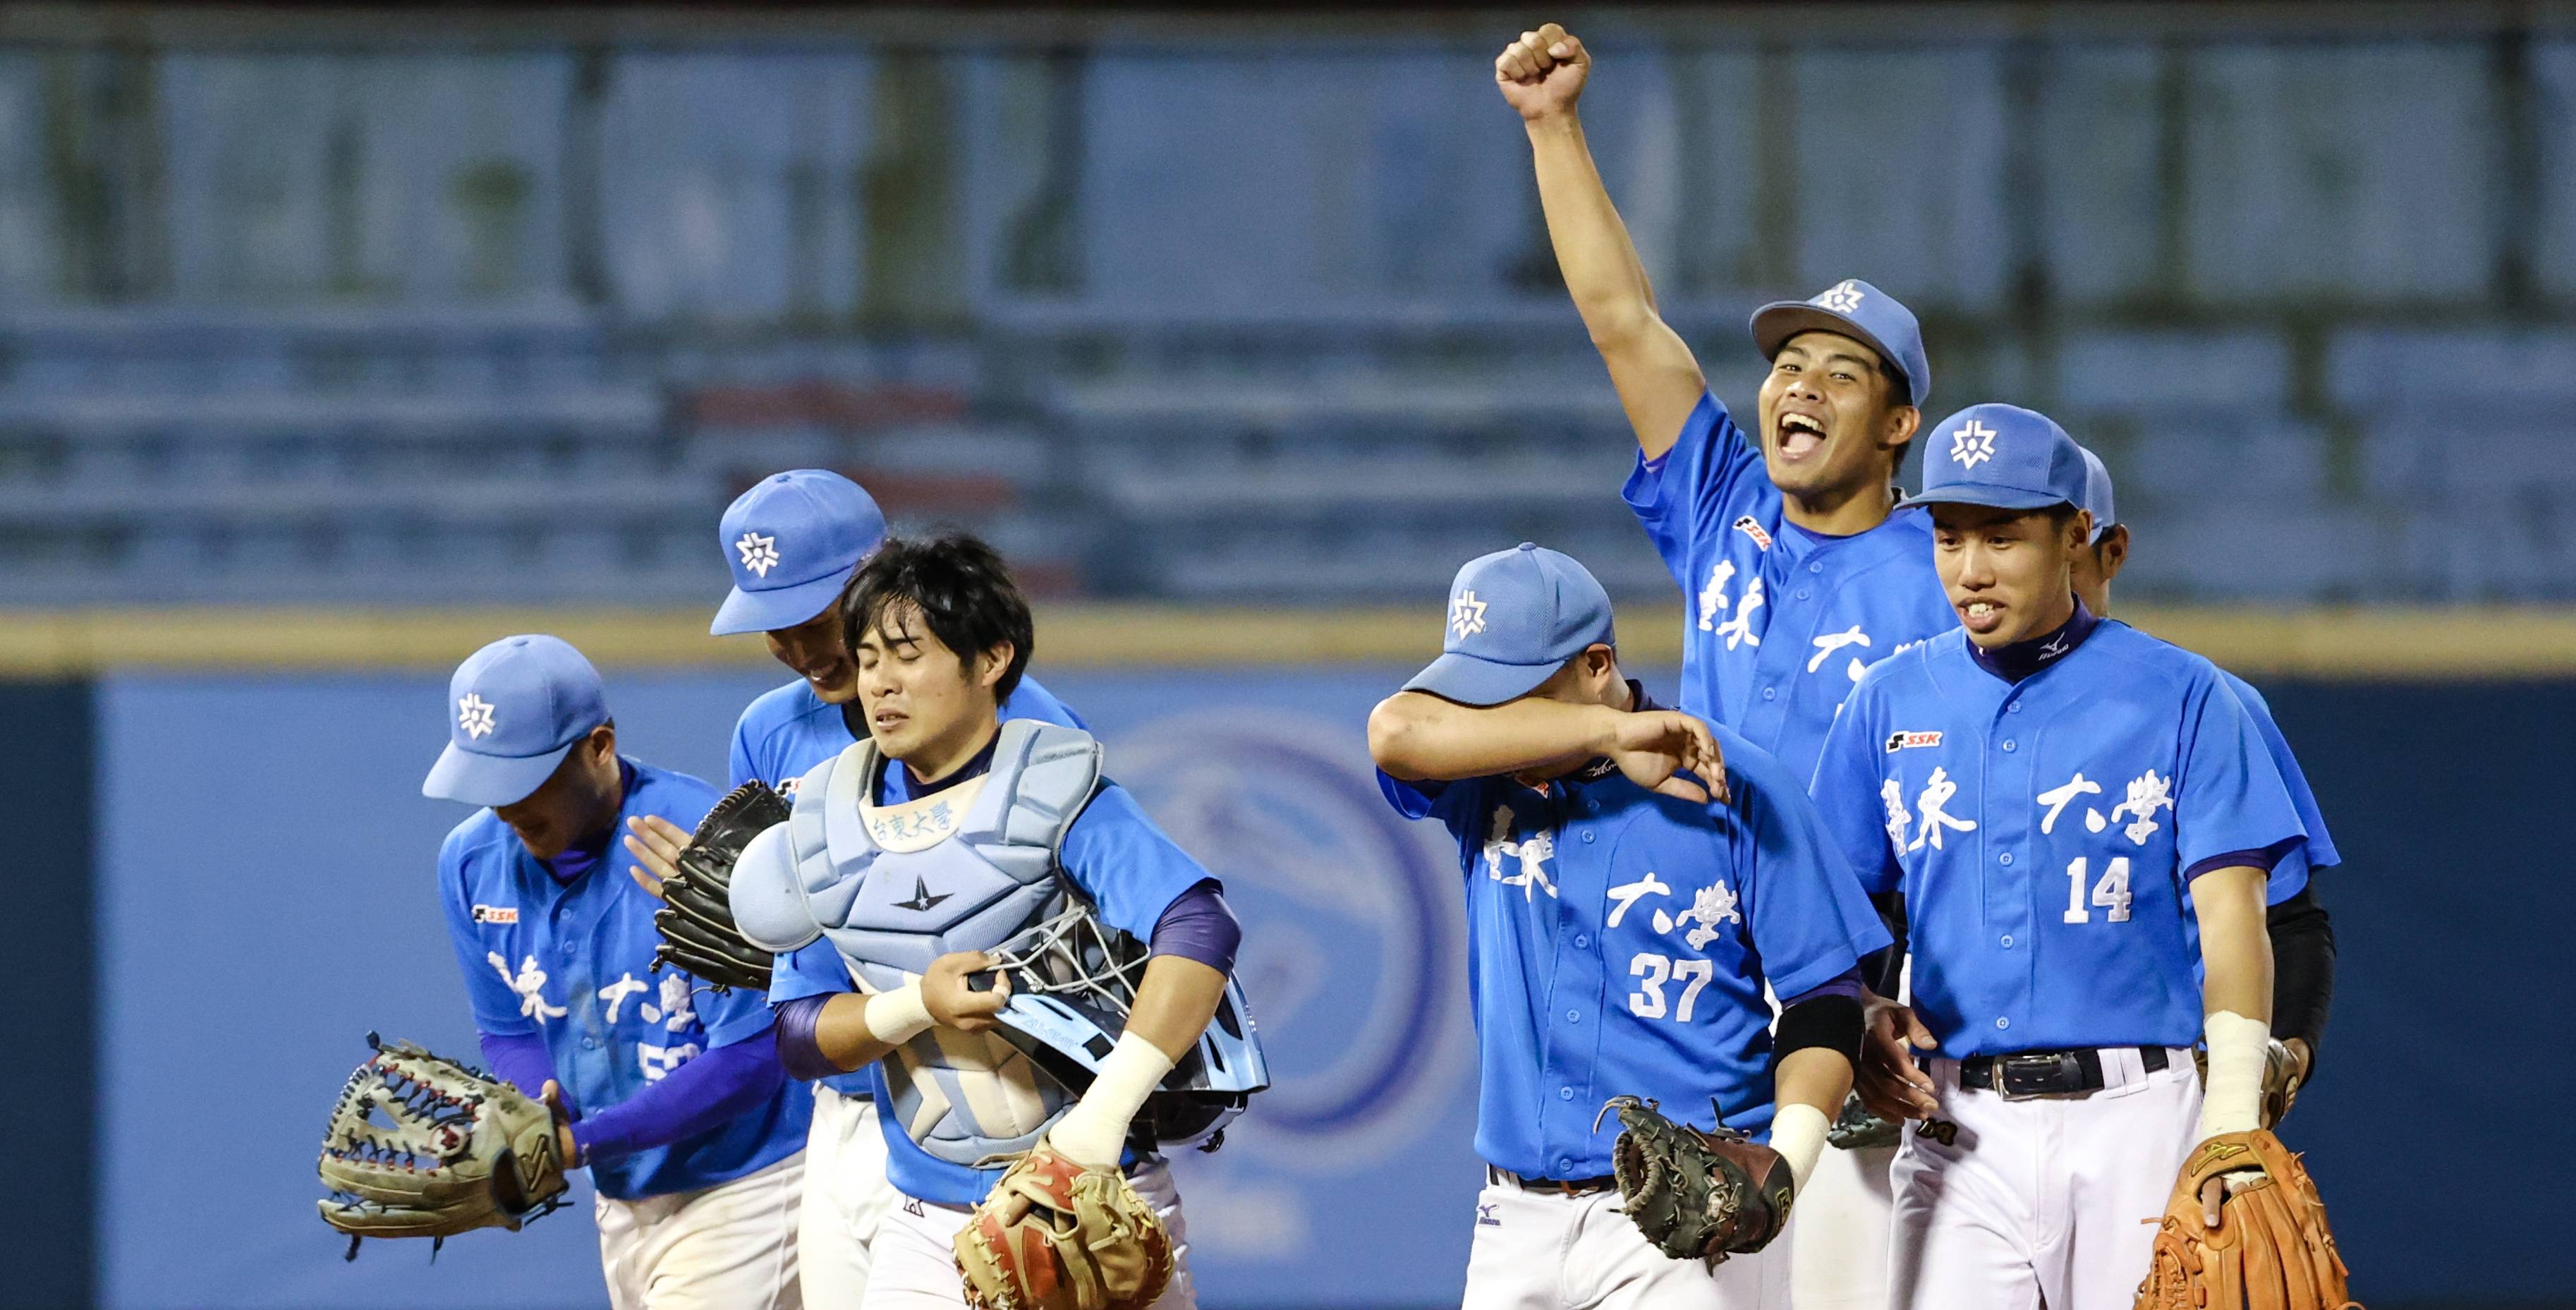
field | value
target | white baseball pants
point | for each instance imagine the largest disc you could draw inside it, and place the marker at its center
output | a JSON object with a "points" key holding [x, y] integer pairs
{"points": [[2050, 1201], [915, 1252], [846, 1198], [1550, 1251], [727, 1247], [1839, 1257]]}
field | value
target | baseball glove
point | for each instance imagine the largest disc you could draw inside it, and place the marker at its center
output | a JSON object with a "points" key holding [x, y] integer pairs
{"points": [[1056, 1235], [2271, 1249], [1696, 1195], [699, 937], [1857, 1129], [419, 1146]]}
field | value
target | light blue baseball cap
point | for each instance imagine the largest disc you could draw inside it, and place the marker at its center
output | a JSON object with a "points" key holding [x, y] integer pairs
{"points": [[2097, 493], [1515, 617], [514, 709], [792, 542], [2003, 456], [1858, 310]]}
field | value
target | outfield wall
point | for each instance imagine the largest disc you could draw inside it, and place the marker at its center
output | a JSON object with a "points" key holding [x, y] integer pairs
{"points": [[264, 896]]}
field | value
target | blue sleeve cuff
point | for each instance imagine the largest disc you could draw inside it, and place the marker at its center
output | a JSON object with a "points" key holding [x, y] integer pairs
{"points": [[2262, 858]]}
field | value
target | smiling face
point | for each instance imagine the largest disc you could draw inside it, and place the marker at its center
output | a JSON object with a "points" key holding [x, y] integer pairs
{"points": [[2008, 572], [813, 648], [925, 703], [1832, 421]]}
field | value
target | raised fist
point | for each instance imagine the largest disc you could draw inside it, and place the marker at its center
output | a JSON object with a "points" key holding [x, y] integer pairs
{"points": [[1542, 74]]}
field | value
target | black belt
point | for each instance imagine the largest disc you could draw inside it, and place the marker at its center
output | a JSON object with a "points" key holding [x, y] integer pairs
{"points": [[1565, 1186], [2047, 1073]]}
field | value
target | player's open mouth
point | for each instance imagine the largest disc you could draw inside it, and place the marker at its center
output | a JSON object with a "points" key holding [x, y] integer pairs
{"points": [[1981, 615], [888, 718], [1799, 436]]}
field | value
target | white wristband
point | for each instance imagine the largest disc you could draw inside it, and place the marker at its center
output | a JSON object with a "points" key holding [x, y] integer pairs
{"points": [[2231, 1101], [898, 1016], [1798, 1134], [1094, 1131]]}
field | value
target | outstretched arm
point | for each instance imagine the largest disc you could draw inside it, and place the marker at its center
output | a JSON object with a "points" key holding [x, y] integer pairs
{"points": [[1416, 736], [1542, 75]]}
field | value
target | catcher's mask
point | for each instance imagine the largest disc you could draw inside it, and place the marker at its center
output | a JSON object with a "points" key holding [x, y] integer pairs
{"points": [[1073, 981]]}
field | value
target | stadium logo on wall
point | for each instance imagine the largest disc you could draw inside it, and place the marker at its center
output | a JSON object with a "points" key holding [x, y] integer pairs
{"points": [[1354, 946], [1897, 741]]}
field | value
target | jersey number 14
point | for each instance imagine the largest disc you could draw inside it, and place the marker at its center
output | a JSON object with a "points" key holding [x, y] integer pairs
{"points": [[2112, 893]]}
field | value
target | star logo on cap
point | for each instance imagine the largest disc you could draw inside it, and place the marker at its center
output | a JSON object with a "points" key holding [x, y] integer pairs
{"points": [[1972, 445], [474, 715], [1466, 614], [1842, 298], [759, 553]]}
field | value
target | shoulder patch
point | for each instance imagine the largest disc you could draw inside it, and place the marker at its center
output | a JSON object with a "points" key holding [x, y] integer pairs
{"points": [[1751, 527], [496, 914], [1897, 741]]}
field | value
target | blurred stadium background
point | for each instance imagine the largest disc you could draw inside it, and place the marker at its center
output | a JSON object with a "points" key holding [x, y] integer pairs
{"points": [[334, 343]]}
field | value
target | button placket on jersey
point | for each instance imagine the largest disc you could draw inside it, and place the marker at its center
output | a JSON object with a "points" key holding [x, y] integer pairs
{"points": [[1578, 977], [2008, 827]]}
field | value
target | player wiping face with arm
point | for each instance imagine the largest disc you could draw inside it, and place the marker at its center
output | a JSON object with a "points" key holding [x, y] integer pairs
{"points": [[1623, 925], [2303, 946], [674, 1096]]}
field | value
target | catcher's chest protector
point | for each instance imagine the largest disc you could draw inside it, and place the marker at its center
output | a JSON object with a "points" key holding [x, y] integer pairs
{"points": [[964, 869]]}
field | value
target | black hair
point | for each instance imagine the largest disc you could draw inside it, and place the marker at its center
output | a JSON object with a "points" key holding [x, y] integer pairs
{"points": [[962, 590]]}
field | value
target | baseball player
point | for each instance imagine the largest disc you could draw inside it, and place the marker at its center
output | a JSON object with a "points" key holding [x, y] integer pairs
{"points": [[793, 541], [942, 637], [2303, 948], [1797, 564], [2082, 820], [1623, 929], [676, 1100]]}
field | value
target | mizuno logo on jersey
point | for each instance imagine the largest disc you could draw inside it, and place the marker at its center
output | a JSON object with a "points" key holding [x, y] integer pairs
{"points": [[1749, 527], [1897, 741], [496, 914]]}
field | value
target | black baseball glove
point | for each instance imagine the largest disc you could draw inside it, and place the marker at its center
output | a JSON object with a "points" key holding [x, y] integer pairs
{"points": [[1695, 1194], [699, 936]]}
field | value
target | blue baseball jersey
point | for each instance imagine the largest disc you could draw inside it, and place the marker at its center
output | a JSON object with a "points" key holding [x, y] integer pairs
{"points": [[1618, 943], [778, 740], [2042, 832], [2318, 851], [1777, 622], [1131, 873], [574, 966]]}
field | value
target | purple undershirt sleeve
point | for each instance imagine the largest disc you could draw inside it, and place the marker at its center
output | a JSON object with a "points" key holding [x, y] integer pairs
{"points": [[520, 1060], [798, 1053], [1198, 925], [705, 1092], [1846, 983]]}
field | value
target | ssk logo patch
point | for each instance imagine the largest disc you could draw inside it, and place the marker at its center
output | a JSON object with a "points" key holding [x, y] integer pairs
{"points": [[496, 914], [1750, 528], [1897, 741]]}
